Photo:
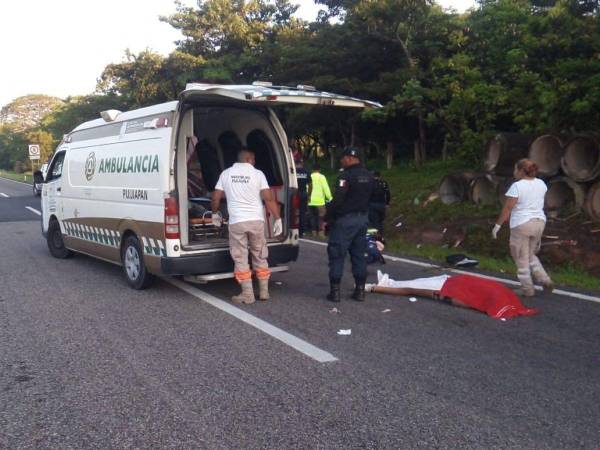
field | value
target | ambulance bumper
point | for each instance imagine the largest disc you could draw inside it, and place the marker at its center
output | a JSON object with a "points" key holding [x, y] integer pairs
{"points": [[218, 262]]}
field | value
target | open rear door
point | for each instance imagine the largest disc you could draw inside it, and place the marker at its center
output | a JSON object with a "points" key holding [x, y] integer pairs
{"points": [[259, 93]]}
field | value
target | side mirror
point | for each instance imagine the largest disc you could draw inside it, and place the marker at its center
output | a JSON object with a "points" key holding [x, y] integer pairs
{"points": [[38, 177]]}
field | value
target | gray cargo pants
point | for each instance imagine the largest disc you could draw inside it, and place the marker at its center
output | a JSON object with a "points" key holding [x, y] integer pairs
{"points": [[249, 237], [525, 242]]}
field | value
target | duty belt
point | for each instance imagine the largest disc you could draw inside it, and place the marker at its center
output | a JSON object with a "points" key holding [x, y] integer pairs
{"points": [[354, 213]]}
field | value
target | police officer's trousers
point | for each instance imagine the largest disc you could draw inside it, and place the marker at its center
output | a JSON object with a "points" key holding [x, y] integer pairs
{"points": [[348, 235]]}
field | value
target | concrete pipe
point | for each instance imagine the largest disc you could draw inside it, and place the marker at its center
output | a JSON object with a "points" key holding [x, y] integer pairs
{"points": [[547, 151], [592, 201], [504, 150], [483, 190], [454, 188], [564, 195], [581, 159]]}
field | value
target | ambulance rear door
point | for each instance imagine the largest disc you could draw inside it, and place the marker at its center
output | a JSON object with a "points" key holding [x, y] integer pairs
{"points": [[269, 95]]}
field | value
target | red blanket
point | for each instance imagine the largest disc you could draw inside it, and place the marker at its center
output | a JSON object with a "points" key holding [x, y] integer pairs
{"points": [[487, 296]]}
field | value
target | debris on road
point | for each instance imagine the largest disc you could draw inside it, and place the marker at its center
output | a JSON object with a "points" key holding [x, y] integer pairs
{"points": [[386, 310], [461, 260], [344, 332], [334, 311], [279, 283], [412, 299]]}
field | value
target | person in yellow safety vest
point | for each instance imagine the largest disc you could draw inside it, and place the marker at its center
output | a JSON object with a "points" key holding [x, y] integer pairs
{"points": [[319, 195]]}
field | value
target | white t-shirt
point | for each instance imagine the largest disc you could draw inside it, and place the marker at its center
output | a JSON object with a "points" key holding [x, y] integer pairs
{"points": [[530, 203], [242, 184]]}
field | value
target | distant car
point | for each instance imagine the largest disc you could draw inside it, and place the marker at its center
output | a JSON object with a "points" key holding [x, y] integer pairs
{"points": [[38, 179]]}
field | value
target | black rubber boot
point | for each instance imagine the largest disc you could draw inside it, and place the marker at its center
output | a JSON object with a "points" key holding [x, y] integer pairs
{"points": [[334, 293], [359, 292]]}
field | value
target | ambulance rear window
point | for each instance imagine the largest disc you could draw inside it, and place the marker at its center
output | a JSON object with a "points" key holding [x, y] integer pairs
{"points": [[266, 161]]}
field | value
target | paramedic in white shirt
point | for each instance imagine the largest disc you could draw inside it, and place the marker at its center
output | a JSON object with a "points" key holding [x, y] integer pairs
{"points": [[525, 207], [245, 189]]}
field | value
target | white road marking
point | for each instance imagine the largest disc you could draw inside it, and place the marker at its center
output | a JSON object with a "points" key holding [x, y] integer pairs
{"points": [[289, 339], [3, 195], [589, 298], [33, 210]]}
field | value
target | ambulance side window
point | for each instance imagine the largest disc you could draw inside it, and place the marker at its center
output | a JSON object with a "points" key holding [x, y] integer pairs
{"points": [[55, 170]]}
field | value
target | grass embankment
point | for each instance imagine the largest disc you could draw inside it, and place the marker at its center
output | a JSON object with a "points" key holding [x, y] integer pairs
{"points": [[422, 231], [25, 177]]}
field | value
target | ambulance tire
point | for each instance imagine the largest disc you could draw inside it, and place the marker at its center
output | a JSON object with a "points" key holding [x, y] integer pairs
{"points": [[55, 242], [135, 270]]}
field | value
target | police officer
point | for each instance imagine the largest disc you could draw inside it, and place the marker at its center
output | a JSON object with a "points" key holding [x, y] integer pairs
{"points": [[380, 200], [302, 178], [347, 218]]}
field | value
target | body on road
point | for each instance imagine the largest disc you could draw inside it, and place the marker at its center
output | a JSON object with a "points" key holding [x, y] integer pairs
{"points": [[89, 363]]}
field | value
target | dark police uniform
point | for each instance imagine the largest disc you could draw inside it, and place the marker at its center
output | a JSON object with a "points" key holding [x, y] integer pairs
{"points": [[379, 200], [347, 214], [302, 178]]}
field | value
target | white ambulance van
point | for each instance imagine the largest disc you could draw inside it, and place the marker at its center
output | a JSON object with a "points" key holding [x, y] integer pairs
{"points": [[133, 188]]}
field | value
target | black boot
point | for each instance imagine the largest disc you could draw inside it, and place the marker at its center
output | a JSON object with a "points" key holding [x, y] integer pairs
{"points": [[359, 292], [334, 293]]}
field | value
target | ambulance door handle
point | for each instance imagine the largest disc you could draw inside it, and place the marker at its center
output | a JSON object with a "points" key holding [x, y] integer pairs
{"points": [[58, 189]]}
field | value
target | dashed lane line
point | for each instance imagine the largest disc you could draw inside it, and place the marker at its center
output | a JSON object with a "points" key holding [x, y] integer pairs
{"points": [[289, 339], [2, 194], [33, 210], [589, 298]]}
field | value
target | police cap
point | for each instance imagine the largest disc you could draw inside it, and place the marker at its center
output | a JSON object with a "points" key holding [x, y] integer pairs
{"points": [[351, 151]]}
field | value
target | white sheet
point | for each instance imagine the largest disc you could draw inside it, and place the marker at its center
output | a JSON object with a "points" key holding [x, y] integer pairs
{"points": [[431, 283]]}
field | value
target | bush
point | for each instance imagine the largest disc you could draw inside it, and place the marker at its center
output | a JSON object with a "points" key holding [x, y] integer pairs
{"points": [[19, 167]]}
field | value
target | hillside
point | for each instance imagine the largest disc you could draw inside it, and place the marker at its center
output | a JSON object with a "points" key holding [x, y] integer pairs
{"points": [[28, 111]]}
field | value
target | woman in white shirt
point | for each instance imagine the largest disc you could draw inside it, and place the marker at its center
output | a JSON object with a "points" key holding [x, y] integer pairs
{"points": [[524, 206]]}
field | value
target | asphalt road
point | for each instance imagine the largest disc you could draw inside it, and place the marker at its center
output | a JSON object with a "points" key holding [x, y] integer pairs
{"points": [[15, 197], [86, 362]]}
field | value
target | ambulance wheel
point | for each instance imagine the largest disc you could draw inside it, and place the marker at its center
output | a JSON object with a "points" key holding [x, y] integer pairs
{"points": [[135, 271], [56, 245]]}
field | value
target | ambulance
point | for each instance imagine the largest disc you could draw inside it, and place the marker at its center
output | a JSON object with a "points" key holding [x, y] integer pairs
{"points": [[134, 188]]}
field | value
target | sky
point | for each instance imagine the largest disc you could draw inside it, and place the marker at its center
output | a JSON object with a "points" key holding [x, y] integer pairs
{"points": [[60, 47]]}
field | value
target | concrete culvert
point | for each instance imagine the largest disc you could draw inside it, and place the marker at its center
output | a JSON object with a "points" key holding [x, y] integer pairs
{"points": [[484, 190], [454, 188], [547, 151], [564, 196], [581, 159], [592, 201], [504, 150]]}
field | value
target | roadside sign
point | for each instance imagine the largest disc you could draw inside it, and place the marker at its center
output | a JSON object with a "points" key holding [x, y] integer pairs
{"points": [[34, 151]]}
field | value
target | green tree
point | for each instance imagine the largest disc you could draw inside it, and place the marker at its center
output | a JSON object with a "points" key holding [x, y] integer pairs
{"points": [[77, 110]]}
